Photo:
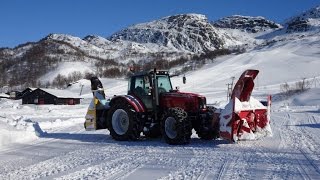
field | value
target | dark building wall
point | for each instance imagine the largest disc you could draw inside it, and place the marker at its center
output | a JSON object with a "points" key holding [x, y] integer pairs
{"points": [[39, 96], [69, 101]]}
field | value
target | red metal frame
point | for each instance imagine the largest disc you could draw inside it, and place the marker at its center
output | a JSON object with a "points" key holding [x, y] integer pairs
{"points": [[246, 120]]}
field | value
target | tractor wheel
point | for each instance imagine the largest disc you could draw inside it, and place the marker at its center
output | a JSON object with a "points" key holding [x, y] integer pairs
{"points": [[123, 123], [209, 128], [176, 127]]}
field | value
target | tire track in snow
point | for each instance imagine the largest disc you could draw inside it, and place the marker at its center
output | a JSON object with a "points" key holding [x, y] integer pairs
{"points": [[122, 167], [222, 170], [12, 158], [112, 169], [60, 164], [260, 155], [310, 161], [302, 143], [278, 162], [212, 164], [302, 169]]}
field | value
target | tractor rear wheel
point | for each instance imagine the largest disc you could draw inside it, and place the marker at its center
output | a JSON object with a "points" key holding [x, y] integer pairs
{"points": [[176, 127], [123, 123]]}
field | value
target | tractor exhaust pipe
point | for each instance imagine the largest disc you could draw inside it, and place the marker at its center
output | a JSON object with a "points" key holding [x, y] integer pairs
{"points": [[155, 95]]}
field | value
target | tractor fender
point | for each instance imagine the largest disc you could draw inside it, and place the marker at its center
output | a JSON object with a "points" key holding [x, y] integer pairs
{"points": [[134, 102]]}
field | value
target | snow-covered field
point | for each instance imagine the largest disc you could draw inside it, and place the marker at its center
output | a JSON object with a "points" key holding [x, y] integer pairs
{"points": [[49, 142]]}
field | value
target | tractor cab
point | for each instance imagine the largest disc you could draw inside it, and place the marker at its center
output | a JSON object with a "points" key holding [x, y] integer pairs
{"points": [[148, 86]]}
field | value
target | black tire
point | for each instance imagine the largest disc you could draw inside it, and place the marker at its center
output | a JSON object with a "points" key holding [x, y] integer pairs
{"points": [[176, 127], [123, 123], [208, 128]]}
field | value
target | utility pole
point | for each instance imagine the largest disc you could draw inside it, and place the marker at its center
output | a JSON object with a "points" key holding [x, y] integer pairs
{"points": [[229, 91], [229, 88], [232, 80], [81, 89], [303, 83]]}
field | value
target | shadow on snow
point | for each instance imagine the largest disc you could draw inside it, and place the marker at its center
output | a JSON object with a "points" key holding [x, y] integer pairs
{"points": [[107, 139], [309, 125]]}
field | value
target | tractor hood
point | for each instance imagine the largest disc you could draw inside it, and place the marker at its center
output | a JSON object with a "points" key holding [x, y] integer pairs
{"points": [[191, 102], [182, 94]]}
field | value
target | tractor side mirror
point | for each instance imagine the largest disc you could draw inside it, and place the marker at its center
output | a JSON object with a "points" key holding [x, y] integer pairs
{"points": [[184, 79]]}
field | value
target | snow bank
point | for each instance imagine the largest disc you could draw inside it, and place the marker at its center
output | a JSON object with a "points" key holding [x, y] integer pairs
{"points": [[18, 129], [58, 123]]}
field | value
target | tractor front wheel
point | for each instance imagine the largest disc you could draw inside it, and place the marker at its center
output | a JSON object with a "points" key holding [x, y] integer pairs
{"points": [[176, 127], [123, 123]]}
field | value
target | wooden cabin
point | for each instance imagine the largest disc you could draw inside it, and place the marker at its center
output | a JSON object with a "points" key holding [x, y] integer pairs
{"points": [[51, 96]]}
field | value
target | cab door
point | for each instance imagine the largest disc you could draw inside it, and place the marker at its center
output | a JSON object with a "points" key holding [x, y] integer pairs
{"points": [[140, 87]]}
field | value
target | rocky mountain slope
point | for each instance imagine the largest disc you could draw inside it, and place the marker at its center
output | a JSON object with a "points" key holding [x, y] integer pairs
{"points": [[309, 20], [246, 23], [186, 32]]}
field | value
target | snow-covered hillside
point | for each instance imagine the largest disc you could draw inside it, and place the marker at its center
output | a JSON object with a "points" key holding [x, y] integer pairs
{"points": [[50, 141]]}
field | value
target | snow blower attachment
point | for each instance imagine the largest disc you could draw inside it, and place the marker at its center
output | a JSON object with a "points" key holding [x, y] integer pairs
{"points": [[154, 108], [244, 117], [97, 107]]}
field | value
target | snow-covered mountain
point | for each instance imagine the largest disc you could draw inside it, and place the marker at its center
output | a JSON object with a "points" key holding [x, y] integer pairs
{"points": [[309, 20], [185, 32], [177, 39]]}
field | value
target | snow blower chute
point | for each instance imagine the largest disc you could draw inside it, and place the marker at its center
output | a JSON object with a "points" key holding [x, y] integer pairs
{"points": [[244, 117]]}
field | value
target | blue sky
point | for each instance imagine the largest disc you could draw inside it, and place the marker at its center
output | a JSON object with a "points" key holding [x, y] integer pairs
{"points": [[30, 20]]}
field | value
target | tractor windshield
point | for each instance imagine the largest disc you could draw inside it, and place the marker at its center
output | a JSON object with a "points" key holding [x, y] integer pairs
{"points": [[164, 83]]}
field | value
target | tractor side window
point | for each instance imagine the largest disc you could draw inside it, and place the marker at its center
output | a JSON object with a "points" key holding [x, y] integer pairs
{"points": [[164, 84]]}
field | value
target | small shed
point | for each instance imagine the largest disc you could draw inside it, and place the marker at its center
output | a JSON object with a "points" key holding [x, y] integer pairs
{"points": [[50, 96], [19, 94], [26, 92]]}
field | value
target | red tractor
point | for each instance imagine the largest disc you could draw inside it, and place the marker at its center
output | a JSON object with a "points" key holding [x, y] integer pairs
{"points": [[154, 108]]}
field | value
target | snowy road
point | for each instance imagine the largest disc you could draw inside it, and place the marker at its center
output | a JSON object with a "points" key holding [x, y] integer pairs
{"points": [[72, 153]]}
